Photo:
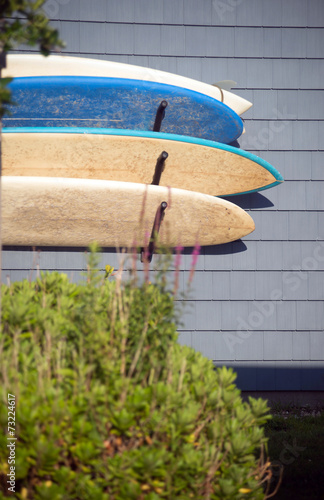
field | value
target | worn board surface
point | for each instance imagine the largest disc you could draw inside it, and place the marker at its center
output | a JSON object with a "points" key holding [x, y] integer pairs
{"points": [[88, 101], [76, 212], [197, 165]]}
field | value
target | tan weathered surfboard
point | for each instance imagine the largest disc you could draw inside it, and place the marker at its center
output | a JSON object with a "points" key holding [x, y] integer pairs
{"points": [[50, 211], [194, 164]]}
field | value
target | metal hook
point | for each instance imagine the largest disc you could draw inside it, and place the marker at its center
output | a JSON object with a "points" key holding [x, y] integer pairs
{"points": [[160, 114], [159, 216], [159, 168]]}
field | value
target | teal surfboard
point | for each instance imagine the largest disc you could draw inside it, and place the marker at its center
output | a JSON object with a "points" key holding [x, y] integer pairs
{"points": [[133, 156]]}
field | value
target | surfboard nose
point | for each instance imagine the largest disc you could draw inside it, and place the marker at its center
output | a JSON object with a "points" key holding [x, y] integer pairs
{"points": [[250, 224], [241, 223]]}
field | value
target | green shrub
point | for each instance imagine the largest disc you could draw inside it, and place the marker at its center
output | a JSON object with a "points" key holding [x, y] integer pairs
{"points": [[110, 406]]}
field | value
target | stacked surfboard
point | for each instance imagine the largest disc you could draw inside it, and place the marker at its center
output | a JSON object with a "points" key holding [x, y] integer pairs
{"points": [[115, 153]]}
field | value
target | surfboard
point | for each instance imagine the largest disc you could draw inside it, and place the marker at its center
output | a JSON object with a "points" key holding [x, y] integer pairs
{"points": [[194, 164], [49, 101], [19, 65], [46, 211]]}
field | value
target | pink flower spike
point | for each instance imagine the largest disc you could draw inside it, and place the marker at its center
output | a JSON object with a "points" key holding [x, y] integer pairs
{"points": [[147, 238], [177, 259], [177, 262], [195, 254]]}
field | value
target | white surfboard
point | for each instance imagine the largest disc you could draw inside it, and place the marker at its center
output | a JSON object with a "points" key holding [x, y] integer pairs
{"points": [[37, 65], [46, 211]]}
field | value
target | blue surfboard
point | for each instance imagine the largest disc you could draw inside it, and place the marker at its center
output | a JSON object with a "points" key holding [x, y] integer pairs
{"points": [[100, 102]]}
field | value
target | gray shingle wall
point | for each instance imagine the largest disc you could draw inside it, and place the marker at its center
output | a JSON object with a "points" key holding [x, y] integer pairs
{"points": [[257, 304]]}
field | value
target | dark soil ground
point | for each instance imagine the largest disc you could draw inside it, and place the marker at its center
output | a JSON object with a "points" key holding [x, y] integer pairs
{"points": [[296, 446]]}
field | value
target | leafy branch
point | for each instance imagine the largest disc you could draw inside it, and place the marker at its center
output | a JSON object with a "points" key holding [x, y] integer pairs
{"points": [[23, 21]]}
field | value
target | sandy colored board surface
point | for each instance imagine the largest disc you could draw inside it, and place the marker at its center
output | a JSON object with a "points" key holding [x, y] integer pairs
{"points": [[74, 212], [19, 65], [195, 165]]}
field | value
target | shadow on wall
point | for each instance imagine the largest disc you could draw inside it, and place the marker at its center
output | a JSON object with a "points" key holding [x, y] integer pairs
{"points": [[255, 377], [249, 201], [224, 249]]}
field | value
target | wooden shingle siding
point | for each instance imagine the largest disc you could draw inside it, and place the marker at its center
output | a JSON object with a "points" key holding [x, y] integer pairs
{"points": [[256, 304]]}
